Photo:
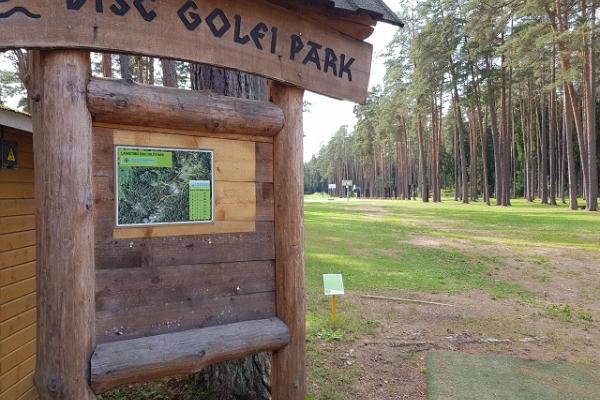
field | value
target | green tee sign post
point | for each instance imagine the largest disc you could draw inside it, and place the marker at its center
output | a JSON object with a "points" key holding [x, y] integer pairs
{"points": [[334, 286]]}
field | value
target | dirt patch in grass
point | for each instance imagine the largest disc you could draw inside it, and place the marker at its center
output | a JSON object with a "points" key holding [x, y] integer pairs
{"points": [[373, 210], [554, 275]]}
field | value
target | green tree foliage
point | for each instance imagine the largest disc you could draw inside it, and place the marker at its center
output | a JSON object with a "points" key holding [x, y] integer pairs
{"points": [[491, 98]]}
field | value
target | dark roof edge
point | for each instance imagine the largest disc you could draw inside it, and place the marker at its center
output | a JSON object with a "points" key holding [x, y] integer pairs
{"points": [[391, 17], [395, 21], [4, 107]]}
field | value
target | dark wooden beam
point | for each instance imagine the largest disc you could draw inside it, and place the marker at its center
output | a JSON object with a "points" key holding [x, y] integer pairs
{"points": [[127, 103], [155, 357]]}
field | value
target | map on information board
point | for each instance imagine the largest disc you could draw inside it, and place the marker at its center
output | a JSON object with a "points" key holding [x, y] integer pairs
{"points": [[163, 186]]}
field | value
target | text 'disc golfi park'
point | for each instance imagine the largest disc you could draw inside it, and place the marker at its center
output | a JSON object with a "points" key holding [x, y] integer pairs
{"points": [[222, 26]]}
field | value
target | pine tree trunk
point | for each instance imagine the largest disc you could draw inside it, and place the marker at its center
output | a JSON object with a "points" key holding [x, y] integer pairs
{"points": [[124, 66], [473, 147], [482, 138], [496, 143], [532, 145], [461, 147], [151, 78], [248, 379], [457, 184], [568, 138], [544, 148], [107, 65], [592, 188], [169, 72], [422, 162], [552, 150]]}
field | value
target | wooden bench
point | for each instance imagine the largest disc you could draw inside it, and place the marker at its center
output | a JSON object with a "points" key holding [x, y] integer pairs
{"points": [[154, 357]]}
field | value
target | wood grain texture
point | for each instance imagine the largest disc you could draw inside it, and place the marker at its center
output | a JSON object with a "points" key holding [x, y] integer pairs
{"points": [[17, 273], [137, 287], [19, 175], [31, 394], [183, 250], [186, 352], [16, 374], [65, 230], [18, 323], [164, 34], [288, 376], [16, 290], [19, 190], [16, 257], [156, 319], [125, 102], [11, 208], [18, 389], [17, 340], [218, 227], [16, 357], [214, 135], [264, 162], [18, 306], [17, 240], [17, 223]]}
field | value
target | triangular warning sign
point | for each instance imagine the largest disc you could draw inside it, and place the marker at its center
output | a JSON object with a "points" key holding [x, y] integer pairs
{"points": [[11, 156]]}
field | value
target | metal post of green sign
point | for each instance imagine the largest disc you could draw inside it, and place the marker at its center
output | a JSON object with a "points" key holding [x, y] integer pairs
{"points": [[334, 286]]}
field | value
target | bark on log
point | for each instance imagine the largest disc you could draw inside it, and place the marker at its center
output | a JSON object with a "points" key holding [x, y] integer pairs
{"points": [[127, 103], [288, 376], [154, 357], [65, 231]]}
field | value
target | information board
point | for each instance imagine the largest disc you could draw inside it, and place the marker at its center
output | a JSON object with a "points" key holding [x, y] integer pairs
{"points": [[157, 186]]}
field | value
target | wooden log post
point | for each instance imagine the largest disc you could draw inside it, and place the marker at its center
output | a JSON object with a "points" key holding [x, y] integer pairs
{"points": [[288, 373], [125, 102], [65, 242]]}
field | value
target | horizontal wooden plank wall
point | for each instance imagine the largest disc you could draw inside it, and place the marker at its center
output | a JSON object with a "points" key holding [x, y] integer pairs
{"points": [[17, 273], [165, 279]]}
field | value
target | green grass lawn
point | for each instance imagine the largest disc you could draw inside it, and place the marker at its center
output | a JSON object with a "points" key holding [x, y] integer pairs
{"points": [[369, 242]]}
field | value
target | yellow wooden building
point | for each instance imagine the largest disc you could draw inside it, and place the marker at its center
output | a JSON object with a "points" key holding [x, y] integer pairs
{"points": [[17, 260]]}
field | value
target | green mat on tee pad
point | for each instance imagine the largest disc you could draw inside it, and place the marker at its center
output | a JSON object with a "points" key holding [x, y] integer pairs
{"points": [[459, 376]]}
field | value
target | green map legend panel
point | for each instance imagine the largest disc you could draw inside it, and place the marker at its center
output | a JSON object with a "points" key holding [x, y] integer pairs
{"points": [[200, 201]]}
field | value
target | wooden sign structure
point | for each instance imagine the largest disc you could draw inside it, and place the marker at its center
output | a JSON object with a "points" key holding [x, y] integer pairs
{"points": [[262, 38], [122, 304]]}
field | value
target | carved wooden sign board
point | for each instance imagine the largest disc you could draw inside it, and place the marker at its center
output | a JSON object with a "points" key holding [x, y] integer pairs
{"points": [[170, 222], [254, 37]]}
